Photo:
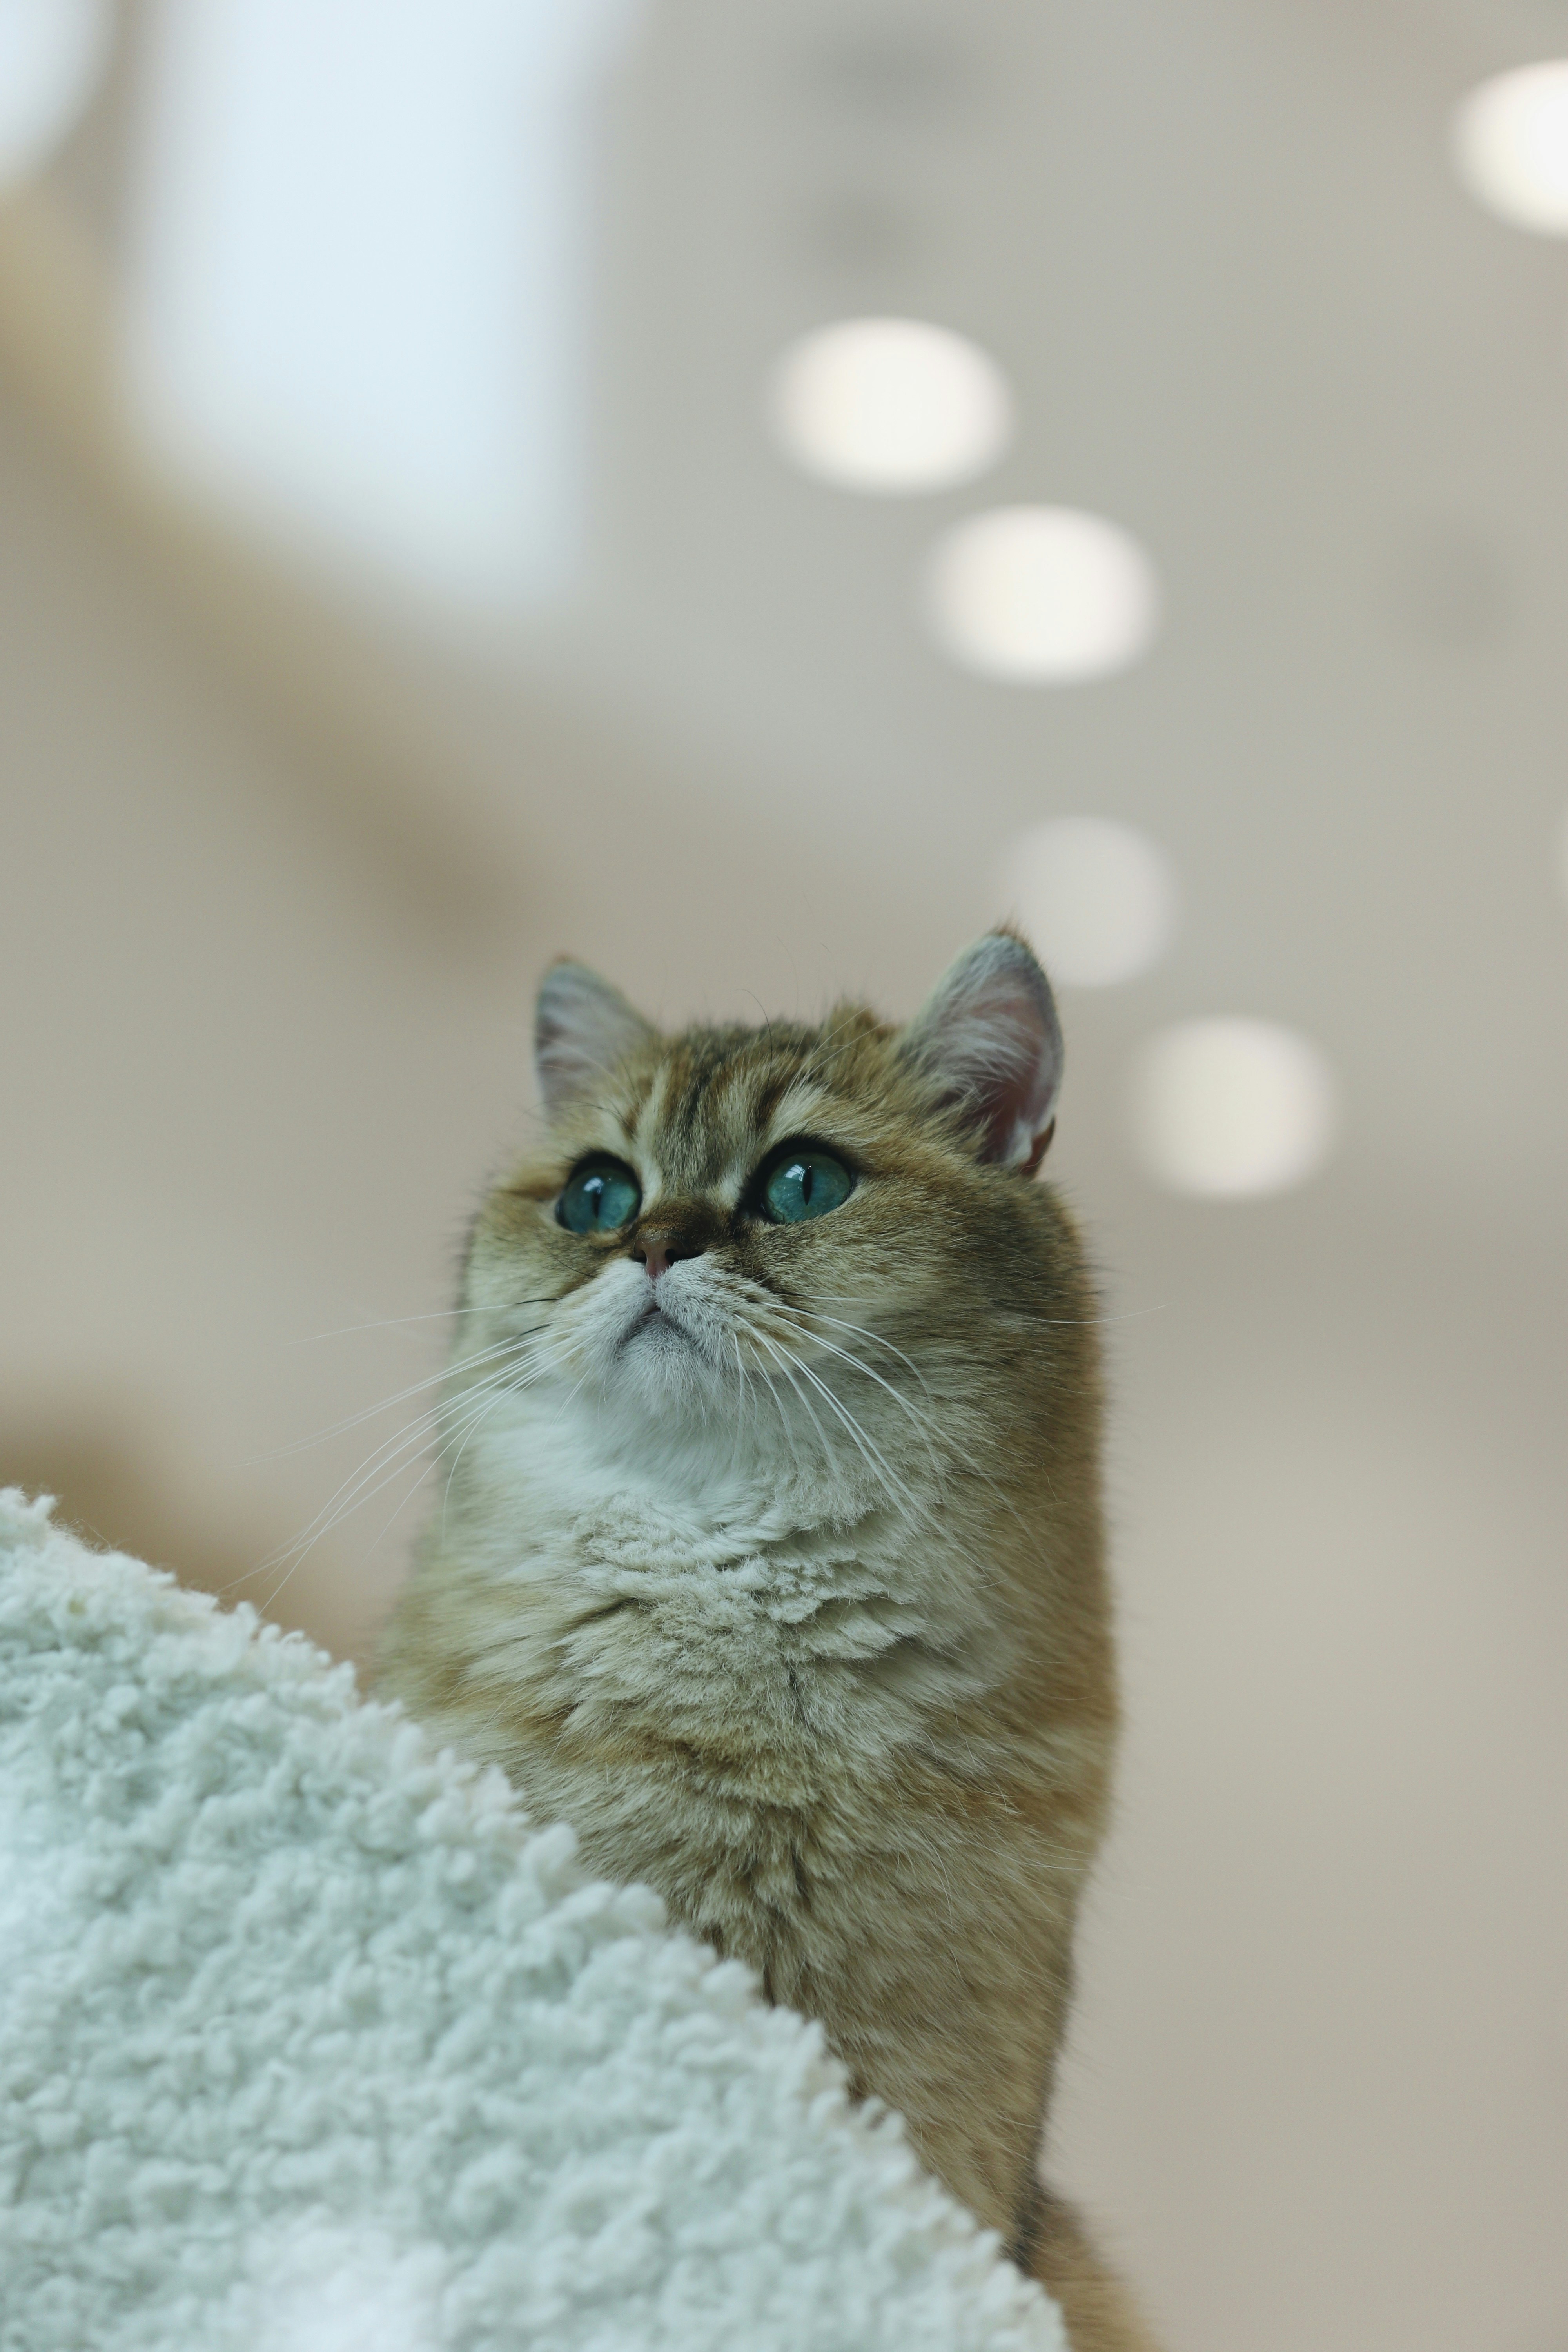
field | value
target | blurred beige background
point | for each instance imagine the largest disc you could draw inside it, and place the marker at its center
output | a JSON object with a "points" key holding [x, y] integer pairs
{"points": [[289, 831]]}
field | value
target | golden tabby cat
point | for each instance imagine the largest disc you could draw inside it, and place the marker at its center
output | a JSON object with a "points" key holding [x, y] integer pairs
{"points": [[771, 1556]]}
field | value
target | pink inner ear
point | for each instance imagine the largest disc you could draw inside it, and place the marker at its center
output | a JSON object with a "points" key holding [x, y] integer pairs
{"points": [[1038, 1148], [990, 1032], [582, 1028], [1017, 1072]]}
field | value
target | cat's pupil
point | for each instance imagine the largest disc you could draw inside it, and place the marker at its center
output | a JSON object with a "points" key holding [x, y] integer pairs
{"points": [[807, 1185], [598, 1200]]}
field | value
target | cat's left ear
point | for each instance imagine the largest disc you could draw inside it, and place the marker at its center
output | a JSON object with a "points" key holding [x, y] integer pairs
{"points": [[582, 1028], [988, 1034]]}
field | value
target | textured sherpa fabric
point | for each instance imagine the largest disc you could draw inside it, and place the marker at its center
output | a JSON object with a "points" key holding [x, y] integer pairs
{"points": [[308, 2044]]}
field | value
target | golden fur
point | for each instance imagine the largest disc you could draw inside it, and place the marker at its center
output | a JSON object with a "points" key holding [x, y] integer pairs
{"points": [[781, 1578]]}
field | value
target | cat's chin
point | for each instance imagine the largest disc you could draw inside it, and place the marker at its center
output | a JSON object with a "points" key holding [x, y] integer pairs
{"points": [[658, 1333], [664, 1362]]}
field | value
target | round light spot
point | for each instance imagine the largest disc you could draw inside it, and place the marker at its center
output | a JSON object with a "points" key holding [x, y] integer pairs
{"points": [[1232, 1108], [889, 405], [1042, 595], [51, 53], [1098, 898], [1510, 145]]}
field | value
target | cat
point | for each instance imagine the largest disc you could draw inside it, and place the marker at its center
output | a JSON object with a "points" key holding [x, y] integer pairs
{"points": [[770, 1551]]}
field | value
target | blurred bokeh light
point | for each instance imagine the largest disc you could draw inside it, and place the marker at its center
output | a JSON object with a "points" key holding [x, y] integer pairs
{"points": [[1232, 1108], [1042, 595], [1511, 142], [891, 405]]}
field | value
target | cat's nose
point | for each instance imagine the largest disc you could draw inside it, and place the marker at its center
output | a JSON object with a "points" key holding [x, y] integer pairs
{"points": [[658, 1249]]}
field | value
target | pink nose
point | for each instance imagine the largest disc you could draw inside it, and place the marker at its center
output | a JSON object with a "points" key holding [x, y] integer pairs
{"points": [[659, 1250]]}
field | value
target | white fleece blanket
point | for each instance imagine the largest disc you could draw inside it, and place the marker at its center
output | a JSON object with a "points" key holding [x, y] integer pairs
{"points": [[308, 2044]]}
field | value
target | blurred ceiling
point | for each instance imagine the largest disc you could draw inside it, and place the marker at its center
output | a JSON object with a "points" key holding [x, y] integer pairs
{"points": [[1248, 312]]}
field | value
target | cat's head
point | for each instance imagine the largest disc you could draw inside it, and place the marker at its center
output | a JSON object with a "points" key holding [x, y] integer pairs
{"points": [[816, 1234]]}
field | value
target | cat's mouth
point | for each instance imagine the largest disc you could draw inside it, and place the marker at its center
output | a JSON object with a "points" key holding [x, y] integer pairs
{"points": [[665, 1332], [654, 1324]]}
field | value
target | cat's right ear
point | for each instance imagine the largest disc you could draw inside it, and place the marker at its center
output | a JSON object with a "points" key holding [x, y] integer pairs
{"points": [[582, 1028], [989, 1036]]}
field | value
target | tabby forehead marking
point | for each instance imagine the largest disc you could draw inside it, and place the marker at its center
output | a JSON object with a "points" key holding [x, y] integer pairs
{"points": [[709, 1118]]}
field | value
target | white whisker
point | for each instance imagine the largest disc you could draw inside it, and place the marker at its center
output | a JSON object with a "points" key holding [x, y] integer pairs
{"points": [[778, 1405], [385, 1463], [863, 1332], [543, 1360], [891, 1481], [919, 1420], [400, 1396], [374, 1479]]}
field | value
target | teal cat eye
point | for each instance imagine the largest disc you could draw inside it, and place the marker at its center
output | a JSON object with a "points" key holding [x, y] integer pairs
{"points": [[599, 1198], [806, 1184]]}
